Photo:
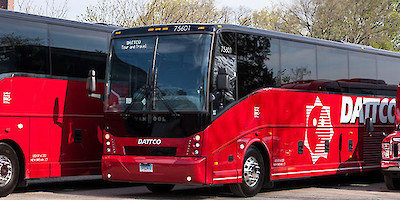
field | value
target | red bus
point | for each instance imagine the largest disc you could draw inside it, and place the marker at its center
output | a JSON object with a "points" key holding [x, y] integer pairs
{"points": [[390, 153], [202, 104], [49, 126]]}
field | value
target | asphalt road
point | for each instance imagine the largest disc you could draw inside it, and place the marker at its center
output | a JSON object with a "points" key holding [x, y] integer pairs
{"points": [[352, 187]]}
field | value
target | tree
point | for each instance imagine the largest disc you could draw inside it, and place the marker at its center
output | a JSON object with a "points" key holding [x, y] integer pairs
{"points": [[367, 22], [137, 13], [360, 22], [51, 8]]}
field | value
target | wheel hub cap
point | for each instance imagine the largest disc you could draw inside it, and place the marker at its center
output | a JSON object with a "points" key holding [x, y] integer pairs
{"points": [[5, 170], [251, 171]]}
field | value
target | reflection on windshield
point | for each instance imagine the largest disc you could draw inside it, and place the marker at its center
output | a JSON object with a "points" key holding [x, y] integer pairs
{"points": [[165, 73]]}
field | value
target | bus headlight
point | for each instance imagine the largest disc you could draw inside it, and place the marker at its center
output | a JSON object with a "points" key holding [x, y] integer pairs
{"points": [[385, 150], [108, 143], [196, 152], [108, 150], [197, 137], [107, 136], [197, 145]]}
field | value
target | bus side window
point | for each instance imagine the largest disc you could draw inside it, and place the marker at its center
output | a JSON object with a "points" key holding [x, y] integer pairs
{"points": [[257, 63], [225, 59]]}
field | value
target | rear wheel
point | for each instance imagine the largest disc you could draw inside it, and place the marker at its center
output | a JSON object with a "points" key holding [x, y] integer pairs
{"points": [[9, 169], [253, 175], [392, 183], [160, 188]]}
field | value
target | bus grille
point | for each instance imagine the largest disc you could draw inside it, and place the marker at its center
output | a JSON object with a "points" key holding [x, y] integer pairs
{"points": [[150, 151]]}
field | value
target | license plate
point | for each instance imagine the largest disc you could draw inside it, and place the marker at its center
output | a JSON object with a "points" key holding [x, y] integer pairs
{"points": [[145, 167]]}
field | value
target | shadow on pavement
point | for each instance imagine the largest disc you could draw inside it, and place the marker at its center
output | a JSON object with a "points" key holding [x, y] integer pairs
{"points": [[100, 188]]}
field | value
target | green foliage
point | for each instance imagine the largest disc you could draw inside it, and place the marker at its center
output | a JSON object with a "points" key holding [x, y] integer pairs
{"points": [[367, 22]]}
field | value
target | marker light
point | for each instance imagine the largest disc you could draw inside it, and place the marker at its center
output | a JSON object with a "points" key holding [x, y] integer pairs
{"points": [[107, 136], [117, 33], [201, 28], [20, 126], [165, 29], [197, 137], [151, 29]]}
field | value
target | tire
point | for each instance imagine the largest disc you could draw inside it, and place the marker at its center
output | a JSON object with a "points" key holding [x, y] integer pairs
{"points": [[392, 183], [160, 188], [9, 169], [253, 175]]}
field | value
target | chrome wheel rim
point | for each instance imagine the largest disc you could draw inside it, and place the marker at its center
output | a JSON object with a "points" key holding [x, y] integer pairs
{"points": [[5, 170], [251, 171]]}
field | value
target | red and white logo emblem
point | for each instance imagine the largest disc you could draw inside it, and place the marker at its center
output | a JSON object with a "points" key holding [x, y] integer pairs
{"points": [[318, 129]]}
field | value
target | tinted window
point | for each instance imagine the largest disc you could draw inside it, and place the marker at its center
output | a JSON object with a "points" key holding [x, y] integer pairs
{"points": [[257, 63], [298, 61], [74, 51], [226, 58], [23, 47], [362, 65], [389, 69], [332, 63]]}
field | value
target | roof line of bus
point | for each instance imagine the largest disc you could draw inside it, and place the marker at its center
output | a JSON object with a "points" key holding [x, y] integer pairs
{"points": [[310, 40], [55, 21], [290, 37]]}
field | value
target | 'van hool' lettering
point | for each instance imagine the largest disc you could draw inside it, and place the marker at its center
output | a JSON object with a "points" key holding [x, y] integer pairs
{"points": [[149, 141], [367, 107]]}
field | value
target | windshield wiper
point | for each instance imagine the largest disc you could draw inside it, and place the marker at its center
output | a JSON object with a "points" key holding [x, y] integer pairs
{"points": [[165, 102]]}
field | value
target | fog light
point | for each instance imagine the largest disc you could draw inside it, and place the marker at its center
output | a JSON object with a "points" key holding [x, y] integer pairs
{"points": [[197, 145], [107, 136], [108, 150], [196, 152], [189, 178], [108, 175], [108, 143]]}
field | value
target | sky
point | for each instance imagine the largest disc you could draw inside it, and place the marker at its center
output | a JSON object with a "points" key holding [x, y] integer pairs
{"points": [[78, 7]]}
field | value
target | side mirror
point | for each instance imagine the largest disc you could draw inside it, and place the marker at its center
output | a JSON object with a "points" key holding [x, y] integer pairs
{"points": [[369, 125], [222, 80], [91, 82]]}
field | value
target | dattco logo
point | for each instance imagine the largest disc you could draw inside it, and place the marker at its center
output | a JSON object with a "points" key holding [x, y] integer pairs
{"points": [[150, 141], [318, 129]]}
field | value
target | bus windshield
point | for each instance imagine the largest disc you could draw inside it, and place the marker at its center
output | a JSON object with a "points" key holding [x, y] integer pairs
{"points": [[158, 73]]}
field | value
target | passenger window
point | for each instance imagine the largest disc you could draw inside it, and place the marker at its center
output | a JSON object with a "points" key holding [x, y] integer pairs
{"points": [[74, 54]]}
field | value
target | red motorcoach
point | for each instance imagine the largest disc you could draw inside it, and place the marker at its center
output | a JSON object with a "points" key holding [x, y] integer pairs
{"points": [[49, 127], [202, 104], [390, 153]]}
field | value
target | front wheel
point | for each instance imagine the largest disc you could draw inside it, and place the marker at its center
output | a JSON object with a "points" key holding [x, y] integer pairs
{"points": [[160, 188], [253, 175], [9, 169], [392, 183]]}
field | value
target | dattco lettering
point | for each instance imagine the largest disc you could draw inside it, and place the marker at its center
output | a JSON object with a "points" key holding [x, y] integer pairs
{"points": [[149, 141], [365, 107]]}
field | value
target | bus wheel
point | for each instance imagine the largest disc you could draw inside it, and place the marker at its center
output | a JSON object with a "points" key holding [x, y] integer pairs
{"points": [[392, 183], [253, 175], [160, 188], [9, 169]]}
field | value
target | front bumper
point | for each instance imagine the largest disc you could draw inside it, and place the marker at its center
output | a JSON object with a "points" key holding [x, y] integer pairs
{"points": [[172, 170], [391, 167]]}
